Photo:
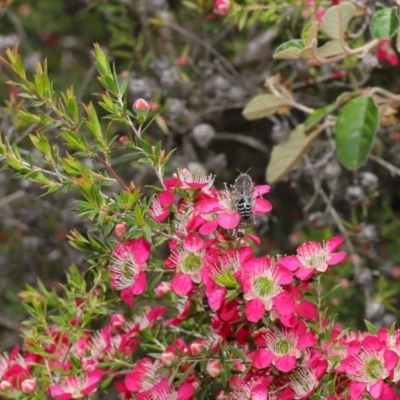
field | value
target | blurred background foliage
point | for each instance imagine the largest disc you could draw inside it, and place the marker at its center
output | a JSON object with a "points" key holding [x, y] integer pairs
{"points": [[202, 69]]}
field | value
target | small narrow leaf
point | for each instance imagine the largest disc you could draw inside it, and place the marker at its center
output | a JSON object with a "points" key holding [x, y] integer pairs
{"points": [[318, 115], [336, 19], [371, 327], [385, 23], [356, 126], [285, 156], [263, 105]]}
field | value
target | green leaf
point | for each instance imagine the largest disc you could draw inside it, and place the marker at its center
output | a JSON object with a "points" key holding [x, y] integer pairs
{"points": [[289, 50], [371, 328], [318, 115], [285, 156], [263, 105], [309, 32], [384, 23], [356, 126], [336, 20]]}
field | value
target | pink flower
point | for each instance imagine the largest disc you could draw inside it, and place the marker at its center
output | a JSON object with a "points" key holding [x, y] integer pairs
{"points": [[221, 7], [158, 209], [128, 265], [283, 347], [141, 104], [188, 260], [76, 387], [261, 283], [368, 367], [311, 257]]}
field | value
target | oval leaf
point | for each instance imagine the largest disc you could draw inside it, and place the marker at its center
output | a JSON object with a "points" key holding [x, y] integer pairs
{"points": [[336, 19], [356, 126], [285, 156], [330, 49], [263, 105], [384, 23], [289, 50]]}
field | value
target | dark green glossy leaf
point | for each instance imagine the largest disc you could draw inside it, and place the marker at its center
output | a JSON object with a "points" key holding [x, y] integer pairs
{"points": [[356, 126]]}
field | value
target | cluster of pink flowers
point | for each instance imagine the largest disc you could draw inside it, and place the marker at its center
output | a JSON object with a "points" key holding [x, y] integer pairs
{"points": [[265, 337]]}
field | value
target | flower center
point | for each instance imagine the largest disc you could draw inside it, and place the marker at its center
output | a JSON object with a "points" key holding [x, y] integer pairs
{"points": [[192, 263], [374, 369], [264, 286], [283, 346]]}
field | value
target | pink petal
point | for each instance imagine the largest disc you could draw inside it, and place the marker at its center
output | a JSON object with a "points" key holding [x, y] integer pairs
{"points": [[376, 389], [193, 242], [391, 359], [262, 206], [307, 340], [254, 310], [259, 190], [140, 284], [290, 321], [185, 392], [208, 227], [285, 276], [262, 359], [162, 216], [166, 198], [229, 220], [286, 363], [334, 243], [216, 298], [208, 206], [132, 382], [284, 303], [181, 284], [308, 248], [356, 389], [127, 297], [93, 379], [260, 392], [253, 238], [305, 274], [307, 310], [292, 263], [336, 258]]}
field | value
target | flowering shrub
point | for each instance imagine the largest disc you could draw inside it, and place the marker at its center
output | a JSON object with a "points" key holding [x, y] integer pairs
{"points": [[178, 302]]}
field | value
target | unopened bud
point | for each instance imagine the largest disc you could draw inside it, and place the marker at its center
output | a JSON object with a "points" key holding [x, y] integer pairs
{"points": [[195, 348], [5, 385], [162, 289], [213, 368], [123, 139], [221, 7], [167, 357], [119, 229], [141, 104], [28, 385]]}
